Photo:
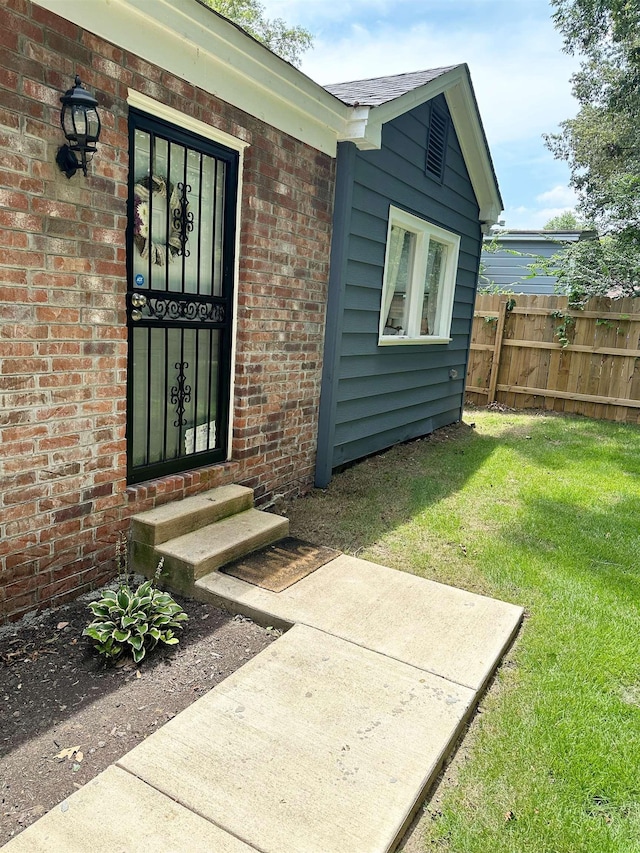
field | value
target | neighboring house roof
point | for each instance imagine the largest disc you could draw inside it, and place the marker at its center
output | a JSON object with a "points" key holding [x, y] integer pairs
{"points": [[536, 236], [381, 99]]}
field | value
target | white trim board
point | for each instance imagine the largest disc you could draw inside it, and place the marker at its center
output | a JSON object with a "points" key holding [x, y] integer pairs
{"points": [[187, 122]]}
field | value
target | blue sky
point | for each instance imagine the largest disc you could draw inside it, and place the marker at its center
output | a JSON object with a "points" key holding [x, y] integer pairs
{"points": [[519, 73]]}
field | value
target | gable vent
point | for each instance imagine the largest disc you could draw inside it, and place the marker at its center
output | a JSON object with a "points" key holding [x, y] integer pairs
{"points": [[437, 143]]}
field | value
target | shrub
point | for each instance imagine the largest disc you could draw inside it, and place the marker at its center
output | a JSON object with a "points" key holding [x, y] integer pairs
{"points": [[134, 621]]}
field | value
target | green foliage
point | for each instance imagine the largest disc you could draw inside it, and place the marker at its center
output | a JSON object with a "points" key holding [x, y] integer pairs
{"points": [[289, 42], [485, 285], [128, 621], [585, 24], [601, 143], [609, 266], [563, 327], [565, 221]]}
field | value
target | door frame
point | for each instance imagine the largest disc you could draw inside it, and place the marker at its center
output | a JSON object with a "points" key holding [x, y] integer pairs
{"points": [[183, 128]]}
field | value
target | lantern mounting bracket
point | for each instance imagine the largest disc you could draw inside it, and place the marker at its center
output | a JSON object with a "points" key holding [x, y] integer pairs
{"points": [[68, 162]]}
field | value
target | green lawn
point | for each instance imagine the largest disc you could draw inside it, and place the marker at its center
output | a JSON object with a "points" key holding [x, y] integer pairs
{"points": [[542, 511]]}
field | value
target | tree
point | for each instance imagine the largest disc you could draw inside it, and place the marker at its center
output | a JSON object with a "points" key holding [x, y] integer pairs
{"points": [[602, 143], [586, 24], [288, 42], [565, 221], [591, 268]]}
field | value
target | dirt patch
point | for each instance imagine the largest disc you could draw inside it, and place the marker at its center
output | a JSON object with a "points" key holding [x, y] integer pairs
{"points": [[64, 718]]}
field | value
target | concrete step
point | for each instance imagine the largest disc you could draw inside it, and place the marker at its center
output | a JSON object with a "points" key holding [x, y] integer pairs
{"points": [[189, 557], [181, 517]]}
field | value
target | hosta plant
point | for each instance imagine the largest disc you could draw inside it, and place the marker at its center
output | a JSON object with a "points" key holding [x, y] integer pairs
{"points": [[128, 621]]}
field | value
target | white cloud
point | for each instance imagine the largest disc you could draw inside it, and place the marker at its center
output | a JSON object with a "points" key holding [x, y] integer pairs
{"points": [[320, 12], [317, 13], [559, 195], [551, 203], [528, 218], [520, 75]]}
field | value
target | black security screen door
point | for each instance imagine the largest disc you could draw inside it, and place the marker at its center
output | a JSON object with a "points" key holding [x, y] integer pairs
{"points": [[181, 238]]}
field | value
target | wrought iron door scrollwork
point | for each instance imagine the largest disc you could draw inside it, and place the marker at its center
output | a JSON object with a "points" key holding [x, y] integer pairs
{"points": [[183, 219], [180, 393], [191, 309]]}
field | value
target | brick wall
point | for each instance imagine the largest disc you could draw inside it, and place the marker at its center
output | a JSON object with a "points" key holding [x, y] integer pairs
{"points": [[63, 339]]}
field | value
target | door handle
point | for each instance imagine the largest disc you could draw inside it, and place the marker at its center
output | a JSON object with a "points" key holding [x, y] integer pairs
{"points": [[138, 301]]}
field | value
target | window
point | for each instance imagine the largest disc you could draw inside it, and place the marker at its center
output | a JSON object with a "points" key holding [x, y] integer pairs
{"points": [[419, 281]]}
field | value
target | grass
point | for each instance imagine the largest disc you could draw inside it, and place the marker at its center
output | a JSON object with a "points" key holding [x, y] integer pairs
{"points": [[542, 511]]}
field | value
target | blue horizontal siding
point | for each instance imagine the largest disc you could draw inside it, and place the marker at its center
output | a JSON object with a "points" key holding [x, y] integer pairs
{"points": [[358, 428], [394, 405], [375, 385], [510, 271], [385, 395], [364, 445], [357, 367]]}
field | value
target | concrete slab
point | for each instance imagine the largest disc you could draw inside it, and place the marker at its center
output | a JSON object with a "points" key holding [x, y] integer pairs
{"points": [[446, 631], [316, 745], [116, 812]]}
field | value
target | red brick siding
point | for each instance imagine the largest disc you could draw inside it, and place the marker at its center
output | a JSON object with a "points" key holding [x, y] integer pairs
{"points": [[63, 340]]}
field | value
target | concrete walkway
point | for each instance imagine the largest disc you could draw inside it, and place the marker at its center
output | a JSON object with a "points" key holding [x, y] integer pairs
{"points": [[325, 742]]}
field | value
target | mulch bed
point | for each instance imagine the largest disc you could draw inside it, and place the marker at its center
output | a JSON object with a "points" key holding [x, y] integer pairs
{"points": [[64, 717]]}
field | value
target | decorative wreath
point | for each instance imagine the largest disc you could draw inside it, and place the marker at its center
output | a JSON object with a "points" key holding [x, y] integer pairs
{"points": [[164, 193]]}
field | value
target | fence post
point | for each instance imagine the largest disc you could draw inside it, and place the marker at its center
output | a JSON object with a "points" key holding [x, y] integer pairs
{"points": [[497, 350]]}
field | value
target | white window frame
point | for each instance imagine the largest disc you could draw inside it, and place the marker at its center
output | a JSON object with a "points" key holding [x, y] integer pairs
{"points": [[423, 232]]}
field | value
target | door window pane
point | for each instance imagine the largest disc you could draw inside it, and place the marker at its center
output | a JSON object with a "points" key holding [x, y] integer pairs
{"points": [[179, 302]]}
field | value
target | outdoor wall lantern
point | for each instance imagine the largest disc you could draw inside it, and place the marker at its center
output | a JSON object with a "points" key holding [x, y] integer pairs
{"points": [[81, 125]]}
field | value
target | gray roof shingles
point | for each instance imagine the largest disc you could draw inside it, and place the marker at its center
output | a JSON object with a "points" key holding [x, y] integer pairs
{"points": [[379, 90]]}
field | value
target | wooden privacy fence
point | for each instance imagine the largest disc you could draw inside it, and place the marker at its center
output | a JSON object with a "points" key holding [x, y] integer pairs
{"points": [[534, 352]]}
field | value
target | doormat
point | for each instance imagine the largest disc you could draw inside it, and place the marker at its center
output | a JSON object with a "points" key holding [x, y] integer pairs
{"points": [[280, 565]]}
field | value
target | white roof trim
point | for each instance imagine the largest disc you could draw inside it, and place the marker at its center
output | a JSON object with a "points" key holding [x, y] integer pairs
{"points": [[456, 87], [189, 40]]}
